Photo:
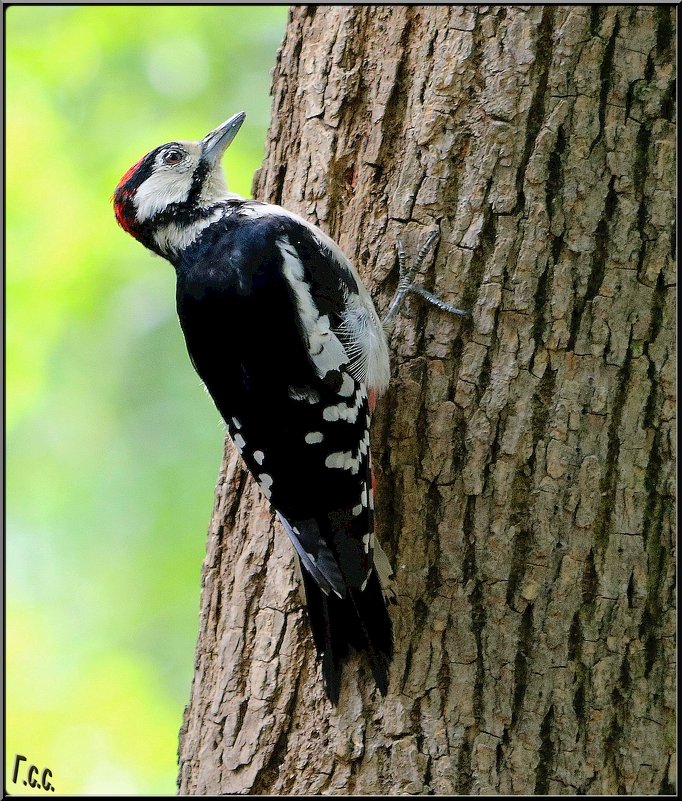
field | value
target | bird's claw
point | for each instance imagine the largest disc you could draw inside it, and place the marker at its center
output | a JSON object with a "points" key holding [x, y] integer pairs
{"points": [[406, 282]]}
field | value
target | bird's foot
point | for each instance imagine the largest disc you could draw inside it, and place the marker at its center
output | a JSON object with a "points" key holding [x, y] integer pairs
{"points": [[406, 283]]}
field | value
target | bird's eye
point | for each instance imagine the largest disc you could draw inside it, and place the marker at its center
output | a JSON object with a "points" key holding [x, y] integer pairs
{"points": [[173, 157]]}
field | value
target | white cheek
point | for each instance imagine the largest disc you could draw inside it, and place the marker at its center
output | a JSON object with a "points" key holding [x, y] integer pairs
{"points": [[160, 190]]}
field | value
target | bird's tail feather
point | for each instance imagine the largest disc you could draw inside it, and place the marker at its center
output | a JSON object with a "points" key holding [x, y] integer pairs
{"points": [[359, 620], [377, 631]]}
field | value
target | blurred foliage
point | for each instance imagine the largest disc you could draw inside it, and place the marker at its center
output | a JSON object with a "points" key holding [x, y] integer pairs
{"points": [[112, 445]]}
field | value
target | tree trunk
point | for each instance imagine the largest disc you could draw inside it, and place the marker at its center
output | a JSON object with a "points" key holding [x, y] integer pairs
{"points": [[524, 455]]}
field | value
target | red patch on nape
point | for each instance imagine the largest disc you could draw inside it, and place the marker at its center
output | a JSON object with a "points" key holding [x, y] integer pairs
{"points": [[129, 174], [119, 210], [121, 197]]}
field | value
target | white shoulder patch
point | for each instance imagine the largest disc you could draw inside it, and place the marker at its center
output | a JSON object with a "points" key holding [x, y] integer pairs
{"points": [[325, 350], [362, 330]]}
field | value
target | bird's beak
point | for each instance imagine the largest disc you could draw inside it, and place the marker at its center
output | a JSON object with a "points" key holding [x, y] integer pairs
{"points": [[214, 144]]}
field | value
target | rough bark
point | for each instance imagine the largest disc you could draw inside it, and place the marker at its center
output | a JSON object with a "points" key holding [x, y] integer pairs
{"points": [[524, 456]]}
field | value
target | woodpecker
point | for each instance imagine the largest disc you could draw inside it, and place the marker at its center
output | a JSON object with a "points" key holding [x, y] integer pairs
{"points": [[284, 335]]}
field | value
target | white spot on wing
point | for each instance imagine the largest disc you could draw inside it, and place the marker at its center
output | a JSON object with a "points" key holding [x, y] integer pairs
{"points": [[307, 394], [343, 460], [265, 484], [258, 456], [239, 442], [236, 423], [364, 444], [347, 387], [342, 411], [337, 460], [331, 413], [314, 437]]}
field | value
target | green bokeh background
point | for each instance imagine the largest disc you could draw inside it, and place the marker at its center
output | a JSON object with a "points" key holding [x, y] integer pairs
{"points": [[112, 445]]}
